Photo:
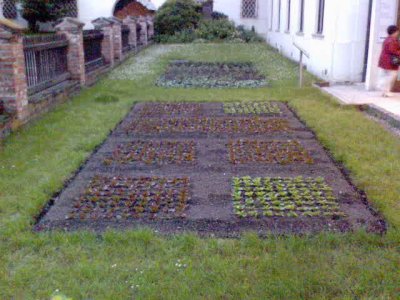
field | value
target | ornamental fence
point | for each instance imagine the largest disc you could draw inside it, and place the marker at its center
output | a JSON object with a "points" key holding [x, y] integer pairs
{"points": [[39, 71], [92, 47], [45, 61]]}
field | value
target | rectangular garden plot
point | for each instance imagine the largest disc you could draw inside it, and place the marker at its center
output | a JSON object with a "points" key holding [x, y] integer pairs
{"points": [[256, 151], [186, 74], [182, 167], [152, 152], [121, 197]]}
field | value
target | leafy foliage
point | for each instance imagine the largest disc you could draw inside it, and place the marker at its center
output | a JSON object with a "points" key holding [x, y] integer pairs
{"points": [[41, 11], [220, 29], [176, 16], [216, 15]]}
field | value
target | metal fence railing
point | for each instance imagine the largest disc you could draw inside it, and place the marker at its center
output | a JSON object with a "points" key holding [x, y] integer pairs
{"points": [[125, 39], [92, 40], [45, 61]]}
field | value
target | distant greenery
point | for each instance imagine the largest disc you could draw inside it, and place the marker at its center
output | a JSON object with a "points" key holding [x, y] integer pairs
{"points": [[35, 11], [179, 21], [175, 16]]}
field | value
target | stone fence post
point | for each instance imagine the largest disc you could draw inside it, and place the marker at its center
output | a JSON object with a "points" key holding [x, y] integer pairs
{"points": [[107, 45], [13, 82], [143, 30], [117, 26], [150, 28], [73, 29], [131, 23]]}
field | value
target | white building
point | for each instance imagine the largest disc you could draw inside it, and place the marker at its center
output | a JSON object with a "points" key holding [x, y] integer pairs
{"points": [[343, 37]]}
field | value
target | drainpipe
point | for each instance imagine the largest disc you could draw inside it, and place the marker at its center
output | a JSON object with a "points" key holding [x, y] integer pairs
{"points": [[364, 76]]}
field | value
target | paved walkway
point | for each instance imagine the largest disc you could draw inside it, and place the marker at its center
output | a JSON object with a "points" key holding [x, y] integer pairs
{"points": [[357, 95]]}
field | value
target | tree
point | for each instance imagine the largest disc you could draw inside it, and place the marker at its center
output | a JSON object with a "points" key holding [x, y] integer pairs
{"points": [[35, 11], [175, 16]]}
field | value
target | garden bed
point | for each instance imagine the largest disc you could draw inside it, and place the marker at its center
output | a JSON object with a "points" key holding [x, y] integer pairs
{"points": [[219, 181], [186, 74]]}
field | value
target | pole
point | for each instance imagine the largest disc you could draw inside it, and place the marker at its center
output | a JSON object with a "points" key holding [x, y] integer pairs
{"points": [[301, 70]]}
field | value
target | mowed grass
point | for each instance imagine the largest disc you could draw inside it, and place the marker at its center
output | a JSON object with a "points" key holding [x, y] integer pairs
{"points": [[36, 161]]}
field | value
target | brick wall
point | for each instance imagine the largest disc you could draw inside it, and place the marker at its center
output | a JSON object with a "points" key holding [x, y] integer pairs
{"points": [[134, 9], [14, 97]]}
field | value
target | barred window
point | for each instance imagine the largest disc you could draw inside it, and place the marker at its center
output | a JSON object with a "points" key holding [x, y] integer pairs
{"points": [[249, 9], [9, 9], [69, 8]]}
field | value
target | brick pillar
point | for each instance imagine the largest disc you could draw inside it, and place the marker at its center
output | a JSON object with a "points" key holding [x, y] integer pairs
{"points": [[131, 23], [73, 29], [13, 83], [107, 45], [150, 28], [143, 30], [117, 26]]}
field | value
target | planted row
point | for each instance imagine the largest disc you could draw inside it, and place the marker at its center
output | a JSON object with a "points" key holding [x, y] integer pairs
{"points": [[284, 197], [255, 108], [281, 152], [153, 152], [170, 109], [124, 197], [209, 125]]}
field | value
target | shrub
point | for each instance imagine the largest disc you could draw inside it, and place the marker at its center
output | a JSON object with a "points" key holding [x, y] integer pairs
{"points": [[216, 30], [249, 36], [175, 16], [41, 11], [216, 15], [185, 36]]}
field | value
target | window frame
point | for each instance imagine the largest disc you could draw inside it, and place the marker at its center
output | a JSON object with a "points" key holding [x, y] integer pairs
{"points": [[320, 17], [301, 16], [289, 15], [255, 16], [278, 25]]}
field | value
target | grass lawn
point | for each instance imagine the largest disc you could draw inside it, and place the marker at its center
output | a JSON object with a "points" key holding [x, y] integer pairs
{"points": [[36, 161]]}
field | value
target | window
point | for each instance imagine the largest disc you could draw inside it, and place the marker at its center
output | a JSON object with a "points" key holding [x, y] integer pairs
{"points": [[9, 9], [289, 15], [301, 21], [271, 25], [249, 9], [321, 16], [278, 26]]}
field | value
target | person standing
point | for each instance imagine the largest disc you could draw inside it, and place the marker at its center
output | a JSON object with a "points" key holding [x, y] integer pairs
{"points": [[389, 61]]}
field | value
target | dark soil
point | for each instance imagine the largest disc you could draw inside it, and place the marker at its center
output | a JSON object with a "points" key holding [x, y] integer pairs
{"points": [[155, 185]]}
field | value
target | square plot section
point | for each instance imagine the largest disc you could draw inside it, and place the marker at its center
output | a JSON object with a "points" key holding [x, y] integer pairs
{"points": [[170, 109], [124, 197], [270, 152], [209, 125], [252, 108], [188, 74], [284, 197], [153, 152]]}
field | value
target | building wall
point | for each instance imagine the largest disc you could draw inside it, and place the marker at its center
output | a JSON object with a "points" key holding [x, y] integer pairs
{"points": [[337, 55], [384, 14], [232, 8]]}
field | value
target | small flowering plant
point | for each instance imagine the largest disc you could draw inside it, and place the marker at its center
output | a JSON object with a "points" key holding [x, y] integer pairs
{"points": [[252, 125], [283, 197], [125, 197], [269, 152], [153, 152], [252, 108]]}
